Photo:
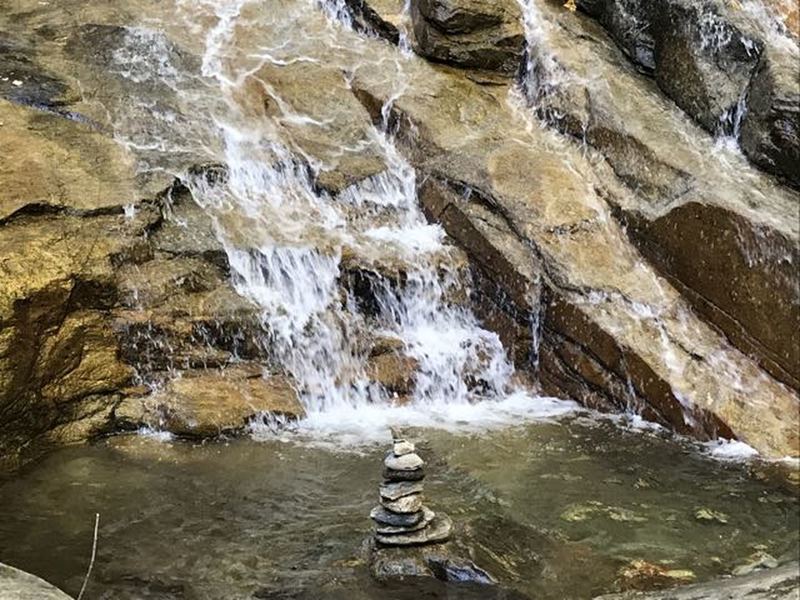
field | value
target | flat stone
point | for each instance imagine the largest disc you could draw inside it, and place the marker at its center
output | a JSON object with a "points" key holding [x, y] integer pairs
{"points": [[427, 516], [385, 517], [392, 476], [438, 531], [393, 491], [19, 585], [405, 505], [402, 447], [406, 462]]}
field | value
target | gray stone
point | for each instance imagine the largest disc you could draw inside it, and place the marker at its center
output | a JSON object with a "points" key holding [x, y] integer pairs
{"points": [[406, 462], [405, 505], [391, 476], [438, 531], [427, 516], [393, 491], [19, 585], [402, 447], [385, 517]]}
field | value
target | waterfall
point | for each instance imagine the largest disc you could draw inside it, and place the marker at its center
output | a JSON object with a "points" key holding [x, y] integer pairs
{"points": [[292, 246], [542, 74]]}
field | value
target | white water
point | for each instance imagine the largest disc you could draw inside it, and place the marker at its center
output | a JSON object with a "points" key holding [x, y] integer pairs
{"points": [[286, 242], [543, 74]]}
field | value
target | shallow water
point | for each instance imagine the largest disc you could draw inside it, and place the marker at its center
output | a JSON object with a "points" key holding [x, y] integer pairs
{"points": [[552, 509]]}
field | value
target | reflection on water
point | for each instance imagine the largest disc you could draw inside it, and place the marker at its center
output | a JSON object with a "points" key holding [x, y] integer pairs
{"points": [[554, 510]]}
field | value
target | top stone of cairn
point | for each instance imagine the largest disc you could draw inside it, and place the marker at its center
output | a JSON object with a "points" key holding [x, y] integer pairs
{"points": [[402, 447]]}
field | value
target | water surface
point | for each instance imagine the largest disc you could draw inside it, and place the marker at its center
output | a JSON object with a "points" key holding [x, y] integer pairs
{"points": [[553, 510]]}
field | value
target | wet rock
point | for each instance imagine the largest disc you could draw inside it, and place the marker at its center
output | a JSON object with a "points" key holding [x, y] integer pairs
{"points": [[19, 585], [58, 351], [629, 24], [436, 561], [437, 531], [771, 127], [703, 61], [188, 231], [378, 18], [343, 148], [594, 344], [23, 80], [403, 505], [49, 164], [209, 403], [706, 514], [714, 60], [427, 517], [476, 34], [406, 462], [693, 191], [385, 517], [395, 372], [393, 476], [774, 584], [394, 491]]}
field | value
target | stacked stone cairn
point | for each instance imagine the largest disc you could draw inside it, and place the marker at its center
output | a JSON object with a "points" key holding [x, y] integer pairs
{"points": [[401, 519]]}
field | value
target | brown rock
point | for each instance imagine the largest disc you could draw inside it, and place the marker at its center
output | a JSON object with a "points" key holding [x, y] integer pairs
{"points": [[475, 34], [622, 314], [52, 162], [210, 403]]}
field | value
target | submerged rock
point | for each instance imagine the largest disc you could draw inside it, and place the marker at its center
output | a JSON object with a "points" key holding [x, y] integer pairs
{"points": [[781, 583]]}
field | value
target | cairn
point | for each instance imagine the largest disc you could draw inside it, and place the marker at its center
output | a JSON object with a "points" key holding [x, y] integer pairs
{"points": [[401, 519]]}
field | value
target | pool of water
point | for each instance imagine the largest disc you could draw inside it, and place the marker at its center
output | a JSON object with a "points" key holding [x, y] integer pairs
{"points": [[554, 510]]}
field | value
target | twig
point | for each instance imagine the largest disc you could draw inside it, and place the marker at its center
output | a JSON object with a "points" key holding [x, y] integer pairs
{"points": [[94, 554]]}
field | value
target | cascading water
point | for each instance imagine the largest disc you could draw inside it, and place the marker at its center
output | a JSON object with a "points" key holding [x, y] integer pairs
{"points": [[292, 246], [542, 75]]}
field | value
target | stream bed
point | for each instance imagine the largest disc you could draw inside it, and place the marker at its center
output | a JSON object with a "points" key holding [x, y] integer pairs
{"points": [[553, 509]]}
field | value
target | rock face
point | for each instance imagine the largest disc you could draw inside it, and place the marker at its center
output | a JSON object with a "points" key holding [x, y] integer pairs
{"points": [[681, 183], [716, 62], [476, 34], [19, 585], [113, 281], [781, 583], [771, 127], [553, 266], [94, 292]]}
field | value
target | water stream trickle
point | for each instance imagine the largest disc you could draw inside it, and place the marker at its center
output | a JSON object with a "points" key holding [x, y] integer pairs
{"points": [[291, 247]]}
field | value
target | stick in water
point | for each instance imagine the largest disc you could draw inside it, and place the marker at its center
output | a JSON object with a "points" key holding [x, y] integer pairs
{"points": [[94, 553]]}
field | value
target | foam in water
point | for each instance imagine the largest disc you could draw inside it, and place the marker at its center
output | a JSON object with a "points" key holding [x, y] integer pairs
{"points": [[730, 450], [286, 243], [543, 74]]}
